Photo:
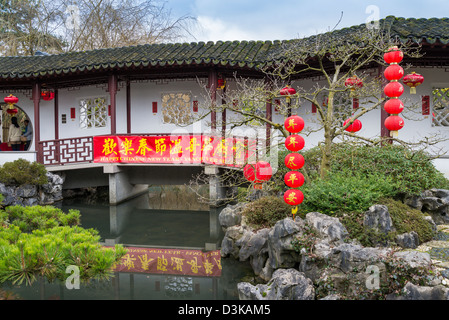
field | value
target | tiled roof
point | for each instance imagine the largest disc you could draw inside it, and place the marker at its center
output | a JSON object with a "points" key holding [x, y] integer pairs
{"points": [[244, 54]]}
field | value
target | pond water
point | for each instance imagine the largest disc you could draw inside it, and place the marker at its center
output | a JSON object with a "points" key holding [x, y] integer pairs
{"points": [[154, 220]]}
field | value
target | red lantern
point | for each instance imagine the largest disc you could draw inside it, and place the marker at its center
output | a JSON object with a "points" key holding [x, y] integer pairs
{"points": [[354, 82], [394, 123], [294, 143], [394, 72], [293, 197], [353, 127], [294, 179], [393, 89], [249, 173], [47, 95], [11, 100], [294, 161], [263, 171], [413, 80], [393, 55], [394, 106], [294, 124], [12, 110], [287, 91]]}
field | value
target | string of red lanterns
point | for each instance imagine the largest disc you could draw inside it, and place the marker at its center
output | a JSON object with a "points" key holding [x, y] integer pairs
{"points": [[353, 83], [394, 90], [294, 161]]}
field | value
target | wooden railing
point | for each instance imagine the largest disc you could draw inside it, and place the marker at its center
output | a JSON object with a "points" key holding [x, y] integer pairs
{"points": [[80, 149]]}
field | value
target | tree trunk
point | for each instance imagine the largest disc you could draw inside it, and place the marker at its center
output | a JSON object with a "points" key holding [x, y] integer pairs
{"points": [[328, 137]]}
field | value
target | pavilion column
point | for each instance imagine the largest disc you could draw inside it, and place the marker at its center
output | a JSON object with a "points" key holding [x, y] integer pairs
{"points": [[269, 112], [128, 106], [112, 88], [56, 111], [213, 82], [36, 96]]}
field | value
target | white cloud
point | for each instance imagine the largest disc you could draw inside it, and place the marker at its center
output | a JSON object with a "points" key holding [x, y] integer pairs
{"points": [[215, 29]]}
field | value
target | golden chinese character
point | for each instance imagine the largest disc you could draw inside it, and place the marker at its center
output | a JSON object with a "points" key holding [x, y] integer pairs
{"points": [[145, 262], [291, 123], [291, 162], [160, 145], [239, 148], [178, 263], [176, 148], [109, 146], [143, 147], [291, 197], [222, 148], [162, 263], [194, 265], [207, 145], [293, 178], [218, 262], [126, 146], [128, 261], [293, 142], [193, 145], [208, 267]]}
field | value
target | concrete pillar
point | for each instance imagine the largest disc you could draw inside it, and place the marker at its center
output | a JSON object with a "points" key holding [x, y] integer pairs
{"points": [[216, 191], [120, 188]]}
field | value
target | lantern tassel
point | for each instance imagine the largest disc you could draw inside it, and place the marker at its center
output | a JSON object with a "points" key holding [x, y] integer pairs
{"points": [[294, 211], [412, 90], [394, 134]]}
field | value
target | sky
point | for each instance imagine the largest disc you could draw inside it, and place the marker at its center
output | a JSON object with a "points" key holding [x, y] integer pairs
{"points": [[289, 19]]}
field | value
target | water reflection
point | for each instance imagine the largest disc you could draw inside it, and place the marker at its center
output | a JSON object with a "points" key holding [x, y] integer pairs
{"points": [[156, 221]]}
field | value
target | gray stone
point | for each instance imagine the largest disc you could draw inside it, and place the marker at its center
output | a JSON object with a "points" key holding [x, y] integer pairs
{"points": [[414, 201], [377, 217], [432, 223], [286, 284], [329, 228], [415, 259], [26, 191], [432, 203], [408, 240], [414, 292], [231, 215], [440, 193]]}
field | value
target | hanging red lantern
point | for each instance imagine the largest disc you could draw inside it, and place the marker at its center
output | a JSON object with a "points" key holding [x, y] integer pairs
{"points": [[394, 106], [287, 91], [394, 89], [354, 82], [394, 72], [263, 171], [413, 80], [12, 110], [294, 179], [294, 143], [294, 124], [394, 124], [249, 173], [353, 127], [294, 161], [393, 55], [47, 95], [293, 197], [11, 100]]}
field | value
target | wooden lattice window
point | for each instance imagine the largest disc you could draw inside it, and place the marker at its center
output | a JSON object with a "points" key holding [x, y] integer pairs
{"points": [[177, 107], [440, 103], [93, 113]]}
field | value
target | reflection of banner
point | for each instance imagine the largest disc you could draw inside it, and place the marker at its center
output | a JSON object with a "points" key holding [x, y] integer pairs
{"points": [[171, 261], [173, 149]]}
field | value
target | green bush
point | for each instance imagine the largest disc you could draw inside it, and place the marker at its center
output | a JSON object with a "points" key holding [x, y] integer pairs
{"points": [[21, 171], [266, 211], [410, 171], [40, 217], [43, 241], [344, 192]]}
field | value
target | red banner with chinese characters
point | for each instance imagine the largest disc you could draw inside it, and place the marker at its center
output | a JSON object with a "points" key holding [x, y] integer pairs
{"points": [[171, 261], [174, 149]]}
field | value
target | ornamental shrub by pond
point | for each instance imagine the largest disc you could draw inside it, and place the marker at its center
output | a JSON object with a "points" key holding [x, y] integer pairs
{"points": [[43, 241], [21, 172]]}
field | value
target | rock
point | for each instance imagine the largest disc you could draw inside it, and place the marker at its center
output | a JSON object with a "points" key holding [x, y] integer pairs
{"points": [[280, 249], [432, 203], [286, 284], [26, 191], [377, 217], [327, 227], [408, 240], [432, 223], [440, 193], [414, 292], [232, 235], [414, 259], [231, 215], [348, 257], [414, 201], [255, 249]]}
